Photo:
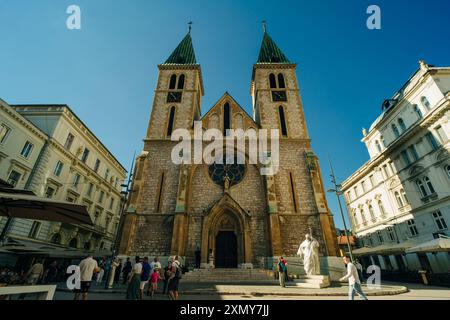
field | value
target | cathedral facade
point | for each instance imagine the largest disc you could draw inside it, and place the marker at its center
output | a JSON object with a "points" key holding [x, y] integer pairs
{"points": [[243, 218]]}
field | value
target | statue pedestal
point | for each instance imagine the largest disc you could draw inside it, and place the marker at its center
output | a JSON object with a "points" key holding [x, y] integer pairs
{"points": [[312, 282]]}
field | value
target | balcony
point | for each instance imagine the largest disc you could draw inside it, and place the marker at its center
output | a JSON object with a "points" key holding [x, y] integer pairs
{"points": [[429, 198]]}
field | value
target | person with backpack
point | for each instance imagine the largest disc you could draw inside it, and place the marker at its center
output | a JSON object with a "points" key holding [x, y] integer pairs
{"points": [[281, 272], [174, 280]]}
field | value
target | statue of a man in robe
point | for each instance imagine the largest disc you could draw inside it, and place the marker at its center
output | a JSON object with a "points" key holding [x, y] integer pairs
{"points": [[309, 252]]}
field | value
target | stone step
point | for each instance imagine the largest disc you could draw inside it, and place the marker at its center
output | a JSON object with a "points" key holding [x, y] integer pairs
{"points": [[315, 282]]}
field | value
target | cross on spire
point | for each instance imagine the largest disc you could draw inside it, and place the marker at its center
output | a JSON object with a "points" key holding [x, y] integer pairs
{"points": [[264, 23], [190, 26]]}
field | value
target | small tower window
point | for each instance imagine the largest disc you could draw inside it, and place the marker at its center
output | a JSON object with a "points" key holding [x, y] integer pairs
{"points": [[281, 83], [402, 125], [418, 111], [273, 81], [395, 130], [425, 103], [173, 82], [160, 191], [226, 118], [282, 121], [181, 82], [377, 144], [171, 122], [293, 194]]}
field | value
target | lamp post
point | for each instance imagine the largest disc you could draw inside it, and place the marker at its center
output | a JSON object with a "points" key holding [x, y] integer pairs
{"points": [[338, 192], [124, 198]]}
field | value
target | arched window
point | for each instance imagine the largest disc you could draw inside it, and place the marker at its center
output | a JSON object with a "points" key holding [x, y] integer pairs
{"points": [[102, 245], [282, 121], [421, 187], [402, 125], [87, 245], [371, 212], [383, 142], [377, 144], [395, 130], [418, 111], [273, 81], [425, 103], [181, 82], [171, 121], [173, 82], [73, 243], [381, 207], [226, 118], [56, 239], [429, 184], [281, 83], [160, 194], [355, 218], [405, 199], [363, 216], [399, 199]]}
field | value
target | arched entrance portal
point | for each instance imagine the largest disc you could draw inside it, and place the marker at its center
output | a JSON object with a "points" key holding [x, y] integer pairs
{"points": [[226, 233]]}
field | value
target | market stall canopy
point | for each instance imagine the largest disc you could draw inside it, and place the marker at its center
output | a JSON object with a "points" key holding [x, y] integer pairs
{"points": [[26, 205], [442, 244], [386, 249]]}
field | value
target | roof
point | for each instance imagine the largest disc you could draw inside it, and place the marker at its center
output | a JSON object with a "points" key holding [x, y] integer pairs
{"points": [[184, 53], [270, 52]]}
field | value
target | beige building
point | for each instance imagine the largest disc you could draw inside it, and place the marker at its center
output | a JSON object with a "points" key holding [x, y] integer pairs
{"points": [[250, 220], [49, 150], [400, 198]]}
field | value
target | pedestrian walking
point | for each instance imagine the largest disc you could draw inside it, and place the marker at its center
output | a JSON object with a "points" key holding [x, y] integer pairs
{"points": [[133, 289], [35, 273], [52, 273], [118, 272], [281, 272], [353, 280], [166, 276], [286, 273], [88, 267], [126, 270], [359, 267], [145, 276], [174, 280], [154, 278]]}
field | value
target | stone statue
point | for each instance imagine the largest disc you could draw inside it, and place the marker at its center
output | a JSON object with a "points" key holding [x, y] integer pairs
{"points": [[309, 252], [226, 180]]}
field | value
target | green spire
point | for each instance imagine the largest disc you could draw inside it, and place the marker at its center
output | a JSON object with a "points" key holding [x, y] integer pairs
{"points": [[270, 53], [184, 53]]}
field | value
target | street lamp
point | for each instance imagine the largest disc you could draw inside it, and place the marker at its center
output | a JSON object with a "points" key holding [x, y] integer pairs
{"points": [[338, 192]]}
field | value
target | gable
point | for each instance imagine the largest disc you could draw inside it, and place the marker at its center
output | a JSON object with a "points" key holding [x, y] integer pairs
{"points": [[239, 119]]}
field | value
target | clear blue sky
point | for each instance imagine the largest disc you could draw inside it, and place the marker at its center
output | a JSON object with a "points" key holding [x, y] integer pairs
{"points": [[107, 71]]}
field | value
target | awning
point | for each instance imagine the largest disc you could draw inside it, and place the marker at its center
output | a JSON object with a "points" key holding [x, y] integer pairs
{"points": [[386, 249], [441, 244], [24, 204]]}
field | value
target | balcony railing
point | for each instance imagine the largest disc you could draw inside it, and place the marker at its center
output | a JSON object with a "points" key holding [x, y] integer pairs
{"points": [[429, 198]]}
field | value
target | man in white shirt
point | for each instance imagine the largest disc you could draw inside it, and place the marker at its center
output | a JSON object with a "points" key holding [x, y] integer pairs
{"points": [[87, 267], [353, 280], [156, 265]]}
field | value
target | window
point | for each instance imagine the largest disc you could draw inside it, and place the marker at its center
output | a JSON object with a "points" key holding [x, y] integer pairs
{"points": [[27, 148], [422, 189], [160, 191], [440, 221], [383, 142], [73, 243], [399, 199], [282, 121], [372, 181], [378, 146], [395, 130], [425, 103], [391, 167], [69, 141], [173, 82], [403, 194], [97, 165], [85, 155], [14, 178], [418, 111], [429, 184], [58, 169], [355, 189], [391, 233], [226, 118], [34, 230], [4, 132], [293, 193], [101, 196], [49, 193], [405, 158], [355, 217], [56, 239], [412, 228], [381, 207], [76, 180], [441, 134], [171, 122], [106, 174], [432, 141], [363, 216], [181, 82], [281, 83], [413, 151], [89, 190], [363, 185], [372, 213], [385, 170], [111, 203], [380, 237], [273, 81], [402, 125]]}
